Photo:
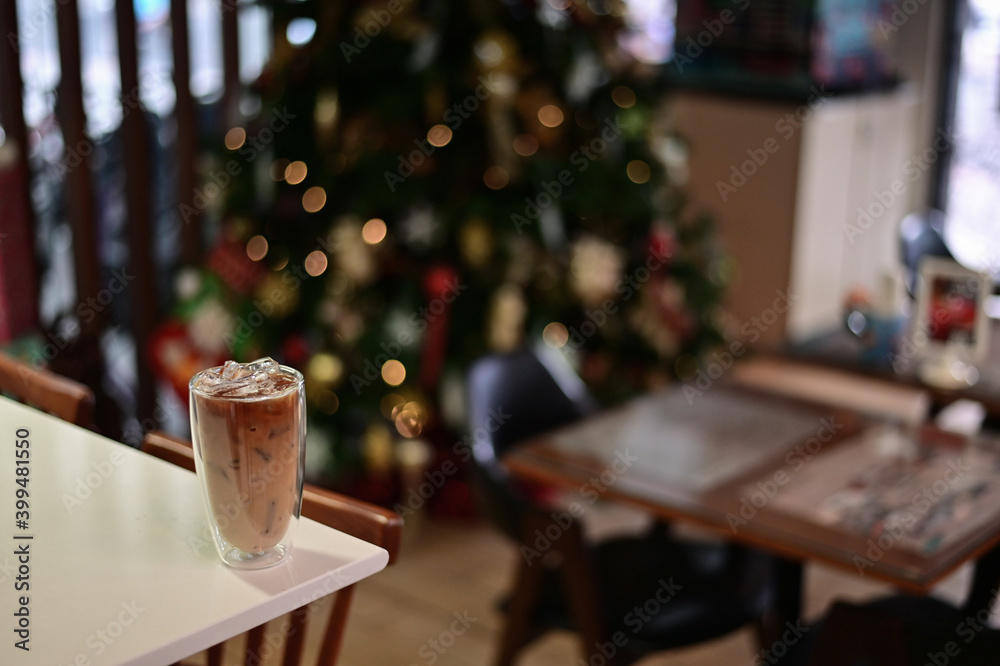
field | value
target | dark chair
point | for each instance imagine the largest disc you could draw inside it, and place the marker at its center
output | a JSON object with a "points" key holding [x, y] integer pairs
{"points": [[365, 521], [52, 393], [904, 630], [626, 597]]}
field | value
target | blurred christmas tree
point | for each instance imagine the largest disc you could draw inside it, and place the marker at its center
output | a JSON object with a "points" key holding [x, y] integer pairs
{"points": [[429, 181]]}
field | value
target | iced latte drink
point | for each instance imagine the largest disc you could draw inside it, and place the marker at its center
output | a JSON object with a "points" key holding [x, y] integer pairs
{"points": [[248, 429]]}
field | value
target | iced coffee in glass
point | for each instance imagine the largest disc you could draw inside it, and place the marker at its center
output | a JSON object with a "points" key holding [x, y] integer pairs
{"points": [[248, 429]]}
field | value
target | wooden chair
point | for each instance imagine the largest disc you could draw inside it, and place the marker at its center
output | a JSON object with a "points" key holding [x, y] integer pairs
{"points": [[365, 521], [596, 589], [57, 395]]}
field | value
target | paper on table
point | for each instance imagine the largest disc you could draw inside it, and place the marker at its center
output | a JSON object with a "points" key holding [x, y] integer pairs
{"points": [[695, 444], [834, 387], [923, 500]]}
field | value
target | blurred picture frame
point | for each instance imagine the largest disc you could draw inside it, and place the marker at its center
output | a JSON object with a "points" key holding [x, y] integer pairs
{"points": [[951, 321]]}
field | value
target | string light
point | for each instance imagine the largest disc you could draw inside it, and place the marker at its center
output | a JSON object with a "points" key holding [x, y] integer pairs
{"points": [[374, 231], [623, 96], [393, 372], [314, 199], [555, 335], [235, 138], [525, 145], [410, 418], [328, 402], [439, 135], [300, 31], [638, 172], [325, 368], [496, 178], [316, 263], [257, 248], [550, 115], [296, 172]]}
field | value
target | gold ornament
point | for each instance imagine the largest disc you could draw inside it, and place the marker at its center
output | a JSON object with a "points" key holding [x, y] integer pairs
{"points": [[325, 115], [476, 243], [596, 266], [278, 294], [377, 449], [323, 372], [208, 326], [354, 257], [505, 324], [496, 51]]}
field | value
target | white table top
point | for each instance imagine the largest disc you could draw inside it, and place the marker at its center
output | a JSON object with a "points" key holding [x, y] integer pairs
{"points": [[120, 569]]}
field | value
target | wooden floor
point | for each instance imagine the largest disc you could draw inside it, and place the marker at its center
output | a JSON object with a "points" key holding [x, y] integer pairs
{"points": [[403, 616], [437, 606]]}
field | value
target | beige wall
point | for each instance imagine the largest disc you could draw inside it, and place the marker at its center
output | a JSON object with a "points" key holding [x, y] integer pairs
{"points": [[755, 222], [786, 224]]}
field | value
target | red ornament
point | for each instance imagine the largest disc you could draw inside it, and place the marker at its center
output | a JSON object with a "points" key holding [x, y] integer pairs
{"points": [[295, 350], [229, 260], [441, 288], [662, 246]]}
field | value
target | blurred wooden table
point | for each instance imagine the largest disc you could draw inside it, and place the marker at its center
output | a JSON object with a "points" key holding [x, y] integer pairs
{"points": [[807, 482]]}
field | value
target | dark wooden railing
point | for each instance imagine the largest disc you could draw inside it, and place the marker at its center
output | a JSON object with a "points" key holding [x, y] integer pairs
{"points": [[78, 183]]}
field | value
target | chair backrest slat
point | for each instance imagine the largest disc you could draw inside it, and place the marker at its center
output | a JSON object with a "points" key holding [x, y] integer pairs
{"points": [[57, 395]]}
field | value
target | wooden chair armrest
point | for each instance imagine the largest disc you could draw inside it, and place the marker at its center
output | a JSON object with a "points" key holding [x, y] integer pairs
{"points": [[169, 448], [368, 522]]}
